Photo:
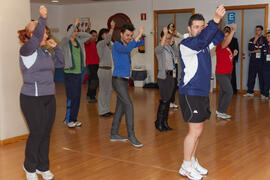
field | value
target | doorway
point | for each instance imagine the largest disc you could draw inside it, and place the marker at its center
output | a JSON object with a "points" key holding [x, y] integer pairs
{"points": [[246, 19], [162, 18]]}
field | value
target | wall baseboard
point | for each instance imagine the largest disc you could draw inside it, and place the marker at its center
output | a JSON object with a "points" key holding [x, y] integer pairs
{"points": [[14, 139]]}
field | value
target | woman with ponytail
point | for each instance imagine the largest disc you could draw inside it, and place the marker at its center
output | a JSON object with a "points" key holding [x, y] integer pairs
{"points": [[37, 94]]}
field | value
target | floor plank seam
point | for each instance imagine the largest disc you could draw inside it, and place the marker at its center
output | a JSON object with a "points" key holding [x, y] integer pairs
{"points": [[120, 160]]}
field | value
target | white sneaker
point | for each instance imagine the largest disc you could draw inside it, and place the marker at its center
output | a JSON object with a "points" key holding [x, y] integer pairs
{"points": [[46, 175], [30, 176], [70, 124], [172, 105], [78, 123], [199, 168], [190, 172], [248, 95], [223, 115], [264, 97]]}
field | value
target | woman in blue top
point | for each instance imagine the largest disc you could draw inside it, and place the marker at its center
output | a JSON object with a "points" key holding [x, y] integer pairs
{"points": [[37, 94]]}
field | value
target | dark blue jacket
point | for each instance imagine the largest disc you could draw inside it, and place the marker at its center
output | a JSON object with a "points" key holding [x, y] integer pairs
{"points": [[196, 60]]}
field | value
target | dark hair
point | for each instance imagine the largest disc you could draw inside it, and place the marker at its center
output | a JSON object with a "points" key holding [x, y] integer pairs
{"points": [[69, 26], [195, 17], [93, 31], [129, 27], [169, 25], [259, 26], [101, 32], [227, 29], [162, 34], [268, 32]]}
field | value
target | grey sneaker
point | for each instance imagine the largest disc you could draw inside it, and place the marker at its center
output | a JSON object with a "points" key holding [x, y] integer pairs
{"points": [[118, 138], [133, 140]]}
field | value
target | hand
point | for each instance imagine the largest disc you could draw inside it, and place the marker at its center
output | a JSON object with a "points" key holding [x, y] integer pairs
{"points": [[233, 27], [165, 30], [76, 21], [51, 43], [235, 52], [141, 30], [220, 12], [43, 11], [112, 24], [175, 33]]}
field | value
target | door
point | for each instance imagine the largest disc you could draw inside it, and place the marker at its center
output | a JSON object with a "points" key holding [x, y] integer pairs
{"points": [[162, 18]]}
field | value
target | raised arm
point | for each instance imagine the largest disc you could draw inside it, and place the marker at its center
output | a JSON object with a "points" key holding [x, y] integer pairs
{"points": [[227, 41], [138, 37], [207, 35], [34, 42], [124, 49], [66, 39], [58, 57], [83, 36]]}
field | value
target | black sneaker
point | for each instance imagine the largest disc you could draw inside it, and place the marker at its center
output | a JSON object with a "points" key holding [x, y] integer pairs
{"points": [[92, 100], [108, 114]]}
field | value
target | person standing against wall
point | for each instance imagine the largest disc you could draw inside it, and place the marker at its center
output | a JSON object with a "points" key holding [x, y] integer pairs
{"points": [[92, 62], [255, 49], [166, 79], [122, 64], [234, 47], [266, 67], [37, 98], [224, 69], [104, 48], [73, 48], [195, 85]]}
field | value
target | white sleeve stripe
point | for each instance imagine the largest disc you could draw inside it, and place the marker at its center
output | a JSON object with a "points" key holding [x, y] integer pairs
{"points": [[186, 51], [211, 46], [190, 61], [28, 61]]}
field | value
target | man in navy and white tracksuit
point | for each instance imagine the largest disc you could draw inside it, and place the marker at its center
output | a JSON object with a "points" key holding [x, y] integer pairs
{"points": [[256, 46], [195, 85]]}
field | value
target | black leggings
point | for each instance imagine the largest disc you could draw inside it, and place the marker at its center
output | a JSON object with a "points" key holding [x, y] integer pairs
{"points": [[39, 113]]}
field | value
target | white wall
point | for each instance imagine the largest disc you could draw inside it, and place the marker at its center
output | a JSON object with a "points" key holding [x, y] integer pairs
{"points": [[207, 9], [99, 13], [61, 16], [14, 15]]}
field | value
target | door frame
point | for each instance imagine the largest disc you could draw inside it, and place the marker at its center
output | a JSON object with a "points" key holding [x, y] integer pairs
{"points": [[245, 7], [156, 13]]}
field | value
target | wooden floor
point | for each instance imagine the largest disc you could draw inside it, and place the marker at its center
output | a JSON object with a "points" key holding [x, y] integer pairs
{"points": [[231, 150]]}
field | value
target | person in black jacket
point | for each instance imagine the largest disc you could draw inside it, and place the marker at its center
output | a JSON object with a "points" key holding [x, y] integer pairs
{"points": [[256, 46], [234, 47]]}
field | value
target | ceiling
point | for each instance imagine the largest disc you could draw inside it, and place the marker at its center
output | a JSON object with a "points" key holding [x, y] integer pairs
{"points": [[62, 2]]}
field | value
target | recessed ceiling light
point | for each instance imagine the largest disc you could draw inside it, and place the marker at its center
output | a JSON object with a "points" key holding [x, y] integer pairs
{"points": [[55, 1]]}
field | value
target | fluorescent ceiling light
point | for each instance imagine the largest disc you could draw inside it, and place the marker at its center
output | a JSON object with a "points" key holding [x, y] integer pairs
{"points": [[55, 1]]}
